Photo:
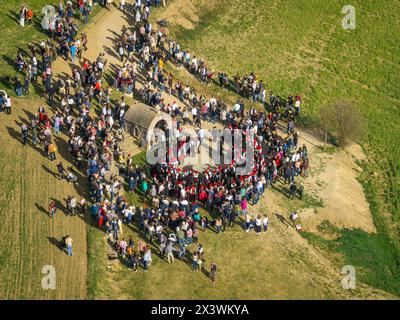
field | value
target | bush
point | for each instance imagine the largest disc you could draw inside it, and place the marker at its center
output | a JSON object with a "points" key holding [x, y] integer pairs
{"points": [[343, 120]]}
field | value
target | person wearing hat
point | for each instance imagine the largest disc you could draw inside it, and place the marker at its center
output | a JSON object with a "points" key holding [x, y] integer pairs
{"points": [[68, 244], [169, 250]]}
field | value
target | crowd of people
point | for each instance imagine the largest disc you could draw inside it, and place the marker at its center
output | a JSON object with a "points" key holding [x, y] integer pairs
{"points": [[174, 198], [64, 40]]}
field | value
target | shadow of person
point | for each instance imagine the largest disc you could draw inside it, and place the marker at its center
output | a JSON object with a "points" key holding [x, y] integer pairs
{"points": [[54, 174], [41, 208], [282, 219], [58, 243], [13, 15], [14, 134], [205, 272]]}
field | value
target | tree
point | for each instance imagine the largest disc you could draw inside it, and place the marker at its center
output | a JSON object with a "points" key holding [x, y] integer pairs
{"points": [[343, 120]]}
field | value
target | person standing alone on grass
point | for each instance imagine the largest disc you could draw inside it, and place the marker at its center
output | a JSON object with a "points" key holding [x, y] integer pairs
{"points": [[52, 209], [68, 243]]}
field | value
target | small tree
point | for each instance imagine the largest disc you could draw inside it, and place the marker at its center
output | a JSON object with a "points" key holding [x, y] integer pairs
{"points": [[343, 120]]}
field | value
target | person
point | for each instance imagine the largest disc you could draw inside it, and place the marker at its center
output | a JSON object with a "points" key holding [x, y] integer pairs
{"points": [[71, 204], [200, 249], [300, 189], [24, 133], [213, 272], [145, 187], [82, 203], [293, 190], [146, 259], [258, 223], [73, 51], [247, 222], [169, 249], [134, 261], [121, 51], [244, 205], [195, 259], [129, 256], [265, 223], [182, 252], [52, 209], [255, 195], [22, 15], [7, 105], [122, 5], [293, 217], [29, 16], [68, 244], [60, 169], [162, 248], [52, 151], [218, 225], [115, 228]]}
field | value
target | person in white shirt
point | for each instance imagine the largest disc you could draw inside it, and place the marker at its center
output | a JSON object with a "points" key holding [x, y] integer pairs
{"points": [[183, 194], [201, 134], [293, 217], [265, 223], [7, 105], [258, 223], [194, 114]]}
